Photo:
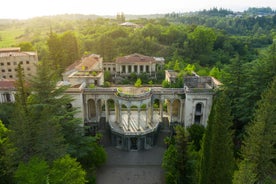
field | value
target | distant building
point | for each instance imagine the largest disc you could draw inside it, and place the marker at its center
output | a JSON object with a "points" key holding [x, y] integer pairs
{"points": [[11, 57], [130, 24], [7, 90], [88, 70], [134, 63]]}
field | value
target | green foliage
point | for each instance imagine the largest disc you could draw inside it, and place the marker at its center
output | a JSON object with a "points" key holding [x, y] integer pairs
{"points": [[66, 170], [178, 161], [258, 152], [189, 69], [87, 150], [91, 86], [107, 76], [26, 46], [166, 84], [63, 50], [6, 112], [217, 148], [215, 72], [138, 83], [169, 164], [107, 84], [6, 149], [33, 172], [196, 132]]}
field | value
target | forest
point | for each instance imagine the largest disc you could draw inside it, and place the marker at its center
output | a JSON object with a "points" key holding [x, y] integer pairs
{"points": [[39, 136]]}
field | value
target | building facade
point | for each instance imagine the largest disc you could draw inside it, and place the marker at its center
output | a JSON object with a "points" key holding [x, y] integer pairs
{"points": [[134, 63], [134, 115], [10, 58]]}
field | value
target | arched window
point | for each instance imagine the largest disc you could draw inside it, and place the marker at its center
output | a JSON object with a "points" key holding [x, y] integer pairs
{"points": [[198, 113]]}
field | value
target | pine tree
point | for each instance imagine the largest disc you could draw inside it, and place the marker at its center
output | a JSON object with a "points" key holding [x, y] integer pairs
{"points": [[259, 146], [48, 108], [217, 162], [22, 129]]}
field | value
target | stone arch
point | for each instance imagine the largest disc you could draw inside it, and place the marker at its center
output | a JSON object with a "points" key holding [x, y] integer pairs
{"points": [[91, 108], [111, 104], [176, 107], [156, 103]]}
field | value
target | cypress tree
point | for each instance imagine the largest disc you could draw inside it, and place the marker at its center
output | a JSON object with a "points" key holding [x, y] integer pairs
{"points": [[258, 151], [217, 161]]}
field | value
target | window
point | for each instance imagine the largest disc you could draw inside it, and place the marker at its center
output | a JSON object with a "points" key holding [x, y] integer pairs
{"points": [[8, 63], [4, 76], [147, 68], [27, 62], [141, 68], [198, 108], [2, 64], [11, 76], [9, 70], [3, 70], [129, 68], [28, 69], [7, 97], [198, 113]]}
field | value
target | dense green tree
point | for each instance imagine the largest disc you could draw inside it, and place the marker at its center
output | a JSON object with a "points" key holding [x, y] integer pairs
{"points": [[5, 150], [6, 112], [22, 128], [258, 152], [196, 133], [177, 160], [217, 163], [48, 108], [169, 164], [66, 170], [63, 50], [33, 172], [26, 46], [201, 43]]}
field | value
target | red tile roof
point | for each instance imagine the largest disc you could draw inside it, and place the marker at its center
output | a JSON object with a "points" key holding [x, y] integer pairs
{"points": [[135, 58], [7, 84], [87, 63]]}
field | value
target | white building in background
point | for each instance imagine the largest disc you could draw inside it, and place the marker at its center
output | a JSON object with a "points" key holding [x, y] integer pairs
{"points": [[134, 115]]}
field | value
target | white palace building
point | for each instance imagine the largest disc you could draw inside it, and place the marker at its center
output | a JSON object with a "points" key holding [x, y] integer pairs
{"points": [[134, 114]]}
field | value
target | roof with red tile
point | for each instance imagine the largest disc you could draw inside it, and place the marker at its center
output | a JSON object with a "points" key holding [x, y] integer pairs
{"points": [[135, 58], [7, 84], [88, 62]]}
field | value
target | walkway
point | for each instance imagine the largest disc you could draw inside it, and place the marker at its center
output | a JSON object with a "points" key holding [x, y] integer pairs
{"points": [[134, 167]]}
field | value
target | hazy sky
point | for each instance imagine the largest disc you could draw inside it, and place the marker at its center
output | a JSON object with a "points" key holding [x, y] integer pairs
{"points": [[23, 9]]}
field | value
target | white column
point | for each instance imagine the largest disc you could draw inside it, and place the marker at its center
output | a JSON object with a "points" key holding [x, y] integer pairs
{"points": [[128, 118], [138, 118], [161, 109], [106, 111]]}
